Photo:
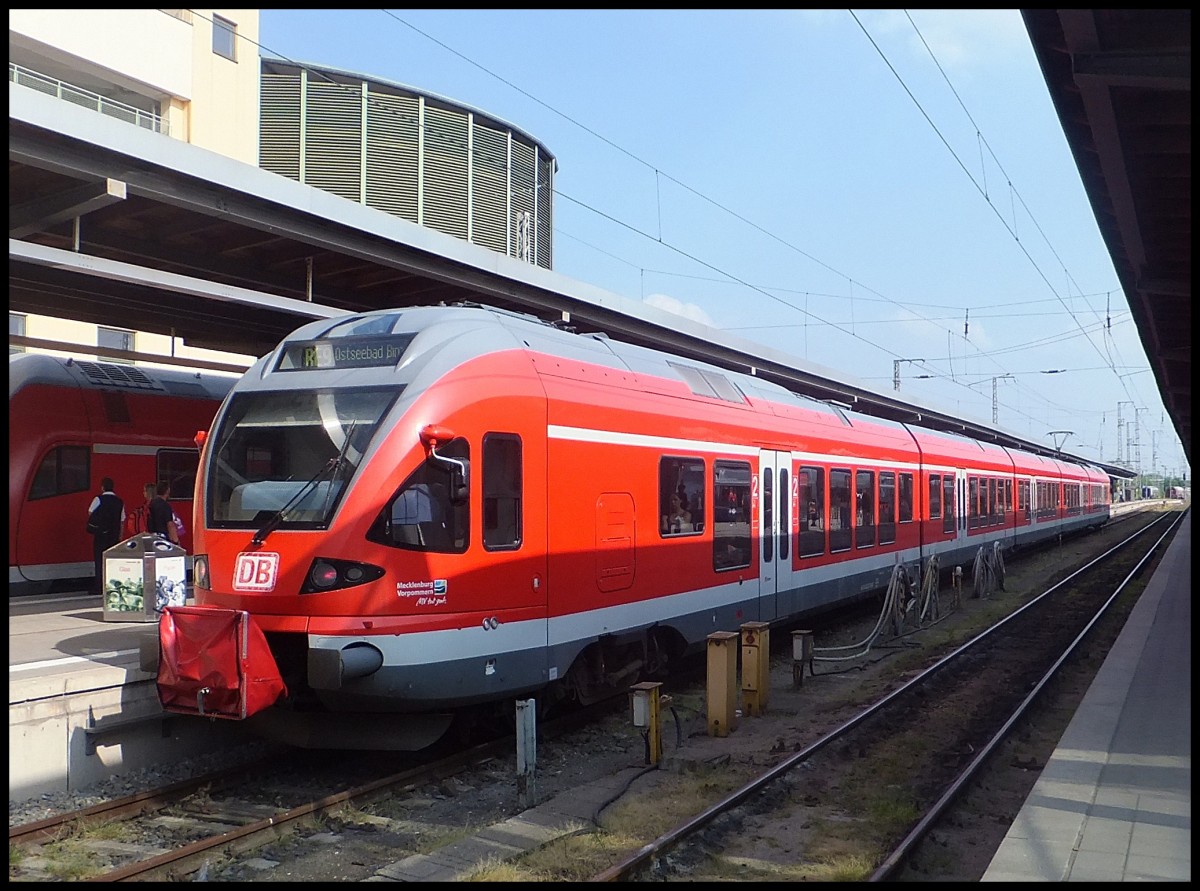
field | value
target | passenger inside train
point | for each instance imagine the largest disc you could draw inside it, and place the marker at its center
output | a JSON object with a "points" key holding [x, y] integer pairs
{"points": [[678, 519]]}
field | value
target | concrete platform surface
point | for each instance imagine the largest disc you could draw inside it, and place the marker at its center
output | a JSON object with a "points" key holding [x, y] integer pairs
{"points": [[1114, 802]]}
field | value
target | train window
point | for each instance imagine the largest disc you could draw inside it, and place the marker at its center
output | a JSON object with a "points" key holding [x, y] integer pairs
{"points": [[841, 520], [422, 515], [709, 383], [177, 468], [948, 503], [293, 451], [502, 490], [906, 497], [887, 507], [812, 518], [731, 515], [994, 498], [972, 502], [64, 470], [680, 496], [864, 513], [785, 502], [935, 496]]}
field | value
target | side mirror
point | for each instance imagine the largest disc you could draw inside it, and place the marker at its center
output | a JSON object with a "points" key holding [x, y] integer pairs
{"points": [[459, 470]]}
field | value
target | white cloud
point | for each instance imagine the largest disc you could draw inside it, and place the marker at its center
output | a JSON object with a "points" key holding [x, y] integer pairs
{"points": [[961, 39], [679, 308], [966, 39]]}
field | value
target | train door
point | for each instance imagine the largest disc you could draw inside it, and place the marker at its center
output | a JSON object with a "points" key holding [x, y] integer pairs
{"points": [[775, 486]]}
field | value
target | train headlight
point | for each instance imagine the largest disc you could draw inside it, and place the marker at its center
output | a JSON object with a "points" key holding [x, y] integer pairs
{"points": [[328, 574], [323, 575], [200, 578]]}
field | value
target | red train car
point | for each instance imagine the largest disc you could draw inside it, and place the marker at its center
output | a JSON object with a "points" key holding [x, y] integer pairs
{"points": [[404, 512], [72, 423]]}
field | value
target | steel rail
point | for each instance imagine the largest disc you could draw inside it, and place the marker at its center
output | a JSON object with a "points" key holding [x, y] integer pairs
{"points": [[668, 840], [899, 855]]}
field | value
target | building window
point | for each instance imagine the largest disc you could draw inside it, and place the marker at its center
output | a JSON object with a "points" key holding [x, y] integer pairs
{"points": [[16, 326], [117, 339], [224, 38]]}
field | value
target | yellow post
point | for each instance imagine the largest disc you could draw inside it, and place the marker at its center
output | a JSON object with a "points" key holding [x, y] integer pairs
{"points": [[722, 683], [756, 667]]}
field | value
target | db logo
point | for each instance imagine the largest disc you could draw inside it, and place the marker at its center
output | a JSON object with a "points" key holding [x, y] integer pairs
{"points": [[255, 572]]}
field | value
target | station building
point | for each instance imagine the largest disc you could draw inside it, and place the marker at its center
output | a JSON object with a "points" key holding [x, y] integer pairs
{"points": [[197, 75]]}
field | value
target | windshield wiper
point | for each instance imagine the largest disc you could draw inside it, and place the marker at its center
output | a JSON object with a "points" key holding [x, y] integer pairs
{"points": [[341, 456], [276, 518]]}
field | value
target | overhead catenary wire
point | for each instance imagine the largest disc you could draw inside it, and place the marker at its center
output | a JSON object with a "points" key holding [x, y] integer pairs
{"points": [[658, 239]]}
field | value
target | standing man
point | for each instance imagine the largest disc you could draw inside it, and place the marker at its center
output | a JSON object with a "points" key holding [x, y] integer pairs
{"points": [[106, 518], [160, 517]]}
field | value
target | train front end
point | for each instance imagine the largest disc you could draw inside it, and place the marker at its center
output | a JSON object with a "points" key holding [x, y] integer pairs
{"points": [[334, 506]]}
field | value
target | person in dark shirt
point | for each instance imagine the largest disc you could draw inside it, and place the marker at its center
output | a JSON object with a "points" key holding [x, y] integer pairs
{"points": [[106, 517], [160, 517]]}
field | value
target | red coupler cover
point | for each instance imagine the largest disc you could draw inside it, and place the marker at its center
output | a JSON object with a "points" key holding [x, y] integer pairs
{"points": [[215, 662]]}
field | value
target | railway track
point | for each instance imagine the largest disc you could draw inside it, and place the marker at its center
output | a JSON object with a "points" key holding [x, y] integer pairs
{"points": [[248, 822], [911, 754], [181, 830]]}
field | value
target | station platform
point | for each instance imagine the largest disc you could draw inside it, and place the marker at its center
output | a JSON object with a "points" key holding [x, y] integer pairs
{"points": [[1114, 802], [80, 708]]}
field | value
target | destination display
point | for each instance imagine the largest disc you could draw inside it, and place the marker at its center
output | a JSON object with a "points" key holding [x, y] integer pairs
{"points": [[345, 352]]}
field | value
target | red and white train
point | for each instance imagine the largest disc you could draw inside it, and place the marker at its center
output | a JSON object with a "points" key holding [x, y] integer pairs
{"points": [[403, 512], [72, 423]]}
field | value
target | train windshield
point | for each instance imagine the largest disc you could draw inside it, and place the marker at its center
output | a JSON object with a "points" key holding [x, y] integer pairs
{"points": [[286, 458]]}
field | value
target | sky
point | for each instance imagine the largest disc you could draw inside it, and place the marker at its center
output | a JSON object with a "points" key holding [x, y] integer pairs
{"points": [[867, 190]]}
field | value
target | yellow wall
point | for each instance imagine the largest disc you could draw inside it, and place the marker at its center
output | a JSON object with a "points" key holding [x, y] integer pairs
{"points": [[163, 55], [224, 108], [84, 334]]}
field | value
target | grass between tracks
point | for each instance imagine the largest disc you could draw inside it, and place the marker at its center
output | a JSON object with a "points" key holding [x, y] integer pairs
{"points": [[624, 828], [74, 856]]}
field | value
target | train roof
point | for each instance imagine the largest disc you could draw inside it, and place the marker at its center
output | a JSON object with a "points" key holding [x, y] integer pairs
{"points": [[433, 339], [476, 329], [25, 369], [407, 346]]}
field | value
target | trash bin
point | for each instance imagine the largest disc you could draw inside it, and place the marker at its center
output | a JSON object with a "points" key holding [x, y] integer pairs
{"points": [[143, 574]]}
